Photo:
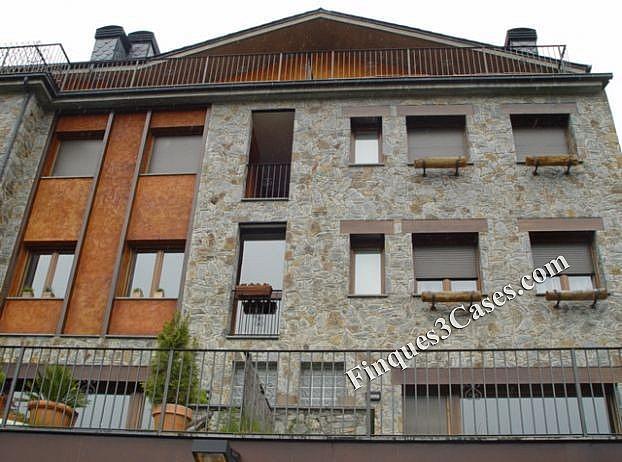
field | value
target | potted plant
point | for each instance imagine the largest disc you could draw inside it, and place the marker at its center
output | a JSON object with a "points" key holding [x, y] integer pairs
{"points": [[159, 293], [48, 293], [253, 291], [54, 396], [183, 386], [137, 292], [27, 292]]}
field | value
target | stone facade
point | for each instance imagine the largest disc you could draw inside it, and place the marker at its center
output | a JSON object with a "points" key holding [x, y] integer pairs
{"points": [[21, 165], [317, 312], [324, 190]]}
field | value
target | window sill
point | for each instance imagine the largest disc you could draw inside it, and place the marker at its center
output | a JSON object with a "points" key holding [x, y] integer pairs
{"points": [[368, 295], [145, 298], [168, 174], [366, 165], [265, 199], [66, 177], [252, 337], [35, 298]]}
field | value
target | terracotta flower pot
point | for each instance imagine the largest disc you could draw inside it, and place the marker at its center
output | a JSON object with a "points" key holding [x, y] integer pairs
{"points": [[45, 413], [2, 403], [176, 417]]}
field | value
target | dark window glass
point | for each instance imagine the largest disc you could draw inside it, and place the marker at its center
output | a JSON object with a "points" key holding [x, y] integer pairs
{"points": [[176, 154], [77, 158]]}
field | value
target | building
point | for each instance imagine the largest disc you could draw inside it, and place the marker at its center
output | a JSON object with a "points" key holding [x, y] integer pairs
{"points": [[374, 176]]}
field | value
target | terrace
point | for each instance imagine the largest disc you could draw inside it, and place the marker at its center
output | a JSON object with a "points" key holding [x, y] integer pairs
{"points": [[549, 394], [307, 66]]}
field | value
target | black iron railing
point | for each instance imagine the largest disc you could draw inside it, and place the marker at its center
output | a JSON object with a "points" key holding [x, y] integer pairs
{"points": [[547, 393], [284, 67], [267, 181], [256, 316]]}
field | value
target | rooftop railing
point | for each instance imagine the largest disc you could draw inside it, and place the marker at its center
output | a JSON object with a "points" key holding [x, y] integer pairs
{"points": [[535, 393], [283, 67]]}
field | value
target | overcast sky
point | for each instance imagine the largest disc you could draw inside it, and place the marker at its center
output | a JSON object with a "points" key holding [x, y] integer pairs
{"points": [[589, 30]]}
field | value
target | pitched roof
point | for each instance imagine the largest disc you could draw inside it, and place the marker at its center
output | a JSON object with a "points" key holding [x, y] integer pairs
{"points": [[399, 32]]}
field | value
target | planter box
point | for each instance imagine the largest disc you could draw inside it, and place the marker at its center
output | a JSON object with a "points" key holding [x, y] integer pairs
{"points": [[176, 417], [253, 291], [43, 413]]}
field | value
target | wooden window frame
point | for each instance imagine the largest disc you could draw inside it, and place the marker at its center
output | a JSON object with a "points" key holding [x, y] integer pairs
{"points": [[157, 267], [170, 131], [50, 162], [447, 282], [49, 277], [588, 237], [371, 246], [438, 121], [365, 127]]}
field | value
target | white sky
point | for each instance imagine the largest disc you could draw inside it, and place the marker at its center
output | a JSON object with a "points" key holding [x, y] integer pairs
{"points": [[589, 30]]}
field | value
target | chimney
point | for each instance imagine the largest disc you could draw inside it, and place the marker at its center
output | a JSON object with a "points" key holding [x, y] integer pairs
{"points": [[111, 44], [143, 44], [522, 39]]}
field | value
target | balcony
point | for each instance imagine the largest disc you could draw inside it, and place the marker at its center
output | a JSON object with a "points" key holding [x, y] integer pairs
{"points": [[256, 317], [282, 67], [267, 181], [443, 394]]}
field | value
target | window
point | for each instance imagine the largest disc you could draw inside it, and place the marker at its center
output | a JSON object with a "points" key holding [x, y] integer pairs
{"points": [[436, 136], [540, 135], [322, 384], [366, 264], [262, 257], [176, 154], [366, 140], [156, 272], [78, 157], [265, 377], [577, 249], [48, 272], [506, 409], [270, 155], [446, 262]]}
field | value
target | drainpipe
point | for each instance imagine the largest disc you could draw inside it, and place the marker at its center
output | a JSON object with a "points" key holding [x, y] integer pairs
{"points": [[15, 131]]}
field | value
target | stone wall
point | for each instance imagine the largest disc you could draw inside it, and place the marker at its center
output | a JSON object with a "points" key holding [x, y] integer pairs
{"points": [[317, 312], [21, 168]]}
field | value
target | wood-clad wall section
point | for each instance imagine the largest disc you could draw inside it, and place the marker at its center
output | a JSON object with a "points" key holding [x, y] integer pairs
{"points": [[100, 215]]}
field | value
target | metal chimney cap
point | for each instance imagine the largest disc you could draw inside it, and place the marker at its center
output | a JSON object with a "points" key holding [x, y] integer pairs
{"points": [[521, 34]]}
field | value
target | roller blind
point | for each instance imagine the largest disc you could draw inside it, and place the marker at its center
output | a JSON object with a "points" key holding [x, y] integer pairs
{"points": [[543, 141], [577, 254], [445, 261], [77, 158], [176, 154], [436, 142]]}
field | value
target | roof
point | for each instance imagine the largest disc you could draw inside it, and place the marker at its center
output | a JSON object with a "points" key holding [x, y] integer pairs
{"points": [[334, 16]]}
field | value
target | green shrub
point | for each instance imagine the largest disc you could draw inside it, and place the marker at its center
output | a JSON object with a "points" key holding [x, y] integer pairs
{"points": [[2, 377], [56, 383], [184, 378]]}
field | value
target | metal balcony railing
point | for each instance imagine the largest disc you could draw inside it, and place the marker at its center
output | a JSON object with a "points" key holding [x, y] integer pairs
{"points": [[256, 317], [285, 67], [267, 181], [546, 393]]}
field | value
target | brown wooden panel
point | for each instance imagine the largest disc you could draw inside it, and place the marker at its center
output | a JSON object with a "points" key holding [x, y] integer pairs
{"points": [[365, 111], [140, 316], [94, 275], [162, 208], [171, 119], [540, 108], [435, 110], [366, 227], [560, 224], [82, 123], [30, 316], [58, 210]]}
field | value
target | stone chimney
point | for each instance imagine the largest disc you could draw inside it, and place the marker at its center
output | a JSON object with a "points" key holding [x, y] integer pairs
{"points": [[522, 39], [143, 43], [112, 43]]}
